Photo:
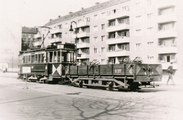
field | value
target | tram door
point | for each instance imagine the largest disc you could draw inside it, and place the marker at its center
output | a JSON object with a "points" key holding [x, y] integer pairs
{"points": [[54, 64]]}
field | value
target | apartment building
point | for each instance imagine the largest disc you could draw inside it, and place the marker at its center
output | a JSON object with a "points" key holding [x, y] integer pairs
{"points": [[116, 30], [27, 38]]}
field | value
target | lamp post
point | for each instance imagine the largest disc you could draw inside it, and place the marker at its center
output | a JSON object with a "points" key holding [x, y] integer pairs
{"points": [[75, 31], [72, 30]]}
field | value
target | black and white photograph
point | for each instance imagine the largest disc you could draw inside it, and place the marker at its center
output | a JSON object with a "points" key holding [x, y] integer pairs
{"points": [[91, 60]]}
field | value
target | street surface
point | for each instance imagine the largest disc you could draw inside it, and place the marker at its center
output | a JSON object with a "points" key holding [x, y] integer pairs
{"points": [[59, 102]]}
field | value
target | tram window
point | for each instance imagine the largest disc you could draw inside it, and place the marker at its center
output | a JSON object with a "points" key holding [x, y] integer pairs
{"points": [[23, 59], [51, 55], [72, 57], [68, 57], [55, 57], [41, 58], [32, 58], [59, 56], [64, 57], [29, 58], [36, 57]]}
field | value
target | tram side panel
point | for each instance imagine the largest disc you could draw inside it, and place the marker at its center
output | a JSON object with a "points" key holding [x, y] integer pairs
{"points": [[36, 70]]}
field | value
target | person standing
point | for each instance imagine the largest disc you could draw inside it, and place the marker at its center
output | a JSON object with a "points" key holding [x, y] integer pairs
{"points": [[170, 74]]}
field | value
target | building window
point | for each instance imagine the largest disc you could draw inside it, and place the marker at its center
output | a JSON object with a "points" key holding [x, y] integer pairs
{"points": [[122, 34], [58, 35], [85, 29], [166, 11], [108, 13], [123, 47], [102, 49], [85, 51], [111, 23], [167, 42], [150, 43], [52, 36], [102, 26], [138, 32], [166, 26], [85, 40], [95, 28], [60, 26], [112, 35], [138, 18], [95, 50], [149, 16], [114, 11], [102, 38], [138, 45], [88, 19], [102, 60], [150, 57], [112, 48], [125, 8], [95, 39], [123, 20], [112, 60], [167, 58]]}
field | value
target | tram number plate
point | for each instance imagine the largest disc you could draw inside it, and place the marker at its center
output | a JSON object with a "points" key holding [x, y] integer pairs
{"points": [[26, 70]]}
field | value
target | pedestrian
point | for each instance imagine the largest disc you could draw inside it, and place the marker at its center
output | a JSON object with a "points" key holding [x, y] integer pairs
{"points": [[170, 74]]}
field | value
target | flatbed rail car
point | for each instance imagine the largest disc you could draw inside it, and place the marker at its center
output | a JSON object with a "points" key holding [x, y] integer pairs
{"points": [[119, 76], [47, 65]]}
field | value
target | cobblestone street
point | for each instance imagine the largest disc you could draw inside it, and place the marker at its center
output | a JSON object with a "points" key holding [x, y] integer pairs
{"points": [[55, 102]]}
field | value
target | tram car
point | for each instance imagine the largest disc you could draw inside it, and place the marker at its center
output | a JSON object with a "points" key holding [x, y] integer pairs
{"points": [[132, 76], [57, 64], [47, 64]]}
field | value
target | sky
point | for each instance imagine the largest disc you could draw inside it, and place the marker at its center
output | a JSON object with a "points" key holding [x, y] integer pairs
{"points": [[17, 13]]}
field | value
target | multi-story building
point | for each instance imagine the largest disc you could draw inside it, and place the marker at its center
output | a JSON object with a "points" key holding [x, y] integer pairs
{"points": [[116, 30], [27, 38]]}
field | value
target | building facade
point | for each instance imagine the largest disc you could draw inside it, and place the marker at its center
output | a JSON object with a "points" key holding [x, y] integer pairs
{"points": [[117, 30], [27, 38]]}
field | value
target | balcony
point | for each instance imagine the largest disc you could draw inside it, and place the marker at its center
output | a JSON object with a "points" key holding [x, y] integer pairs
{"points": [[83, 34], [118, 40], [166, 3], [53, 31], [118, 27], [83, 45], [167, 18], [118, 15], [55, 40], [82, 24], [167, 49], [167, 33], [118, 53], [83, 56], [165, 65]]}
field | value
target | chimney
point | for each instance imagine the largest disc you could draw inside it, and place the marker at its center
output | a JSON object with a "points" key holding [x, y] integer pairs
{"points": [[59, 16], [50, 20], [70, 13]]}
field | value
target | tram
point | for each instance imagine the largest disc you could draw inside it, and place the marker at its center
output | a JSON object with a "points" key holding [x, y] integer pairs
{"points": [[47, 64], [57, 64]]}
